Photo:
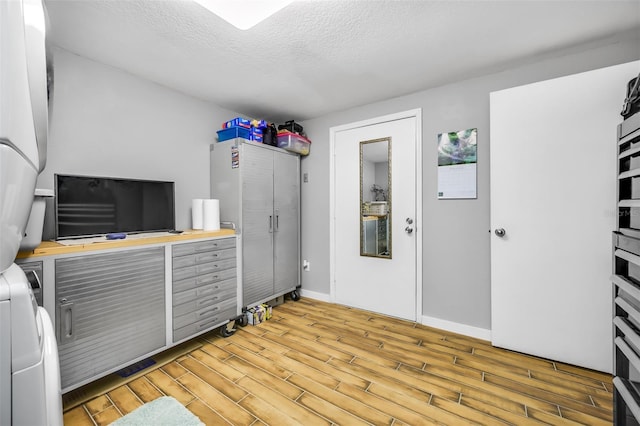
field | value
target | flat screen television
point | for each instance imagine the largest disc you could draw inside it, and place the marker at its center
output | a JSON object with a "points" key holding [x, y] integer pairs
{"points": [[92, 206]]}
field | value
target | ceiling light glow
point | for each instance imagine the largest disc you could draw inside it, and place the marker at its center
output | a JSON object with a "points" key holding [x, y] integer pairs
{"points": [[244, 14]]}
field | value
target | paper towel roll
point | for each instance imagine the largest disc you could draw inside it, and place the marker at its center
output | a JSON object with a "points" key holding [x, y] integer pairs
{"points": [[211, 211], [197, 212]]}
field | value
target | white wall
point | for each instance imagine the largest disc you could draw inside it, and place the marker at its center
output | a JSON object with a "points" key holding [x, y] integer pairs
{"points": [[451, 228], [106, 122]]}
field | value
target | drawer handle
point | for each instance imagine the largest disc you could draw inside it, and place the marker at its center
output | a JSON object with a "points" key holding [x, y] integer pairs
{"points": [[207, 300], [207, 324], [208, 311]]}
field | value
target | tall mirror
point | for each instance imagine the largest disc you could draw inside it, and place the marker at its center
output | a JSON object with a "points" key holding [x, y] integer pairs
{"points": [[375, 198]]}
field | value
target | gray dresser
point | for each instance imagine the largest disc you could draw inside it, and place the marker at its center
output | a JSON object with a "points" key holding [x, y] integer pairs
{"points": [[204, 286]]}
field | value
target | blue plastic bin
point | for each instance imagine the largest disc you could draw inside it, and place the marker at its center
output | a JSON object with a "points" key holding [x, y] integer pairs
{"points": [[234, 132]]}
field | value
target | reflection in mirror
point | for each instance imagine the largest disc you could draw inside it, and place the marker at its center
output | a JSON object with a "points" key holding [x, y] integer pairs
{"points": [[375, 198]]}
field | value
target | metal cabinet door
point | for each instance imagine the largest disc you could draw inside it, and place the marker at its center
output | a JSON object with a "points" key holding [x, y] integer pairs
{"points": [[257, 223], [110, 309], [287, 221]]}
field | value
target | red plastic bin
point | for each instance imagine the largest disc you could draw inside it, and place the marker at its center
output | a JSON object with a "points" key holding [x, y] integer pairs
{"points": [[294, 142]]}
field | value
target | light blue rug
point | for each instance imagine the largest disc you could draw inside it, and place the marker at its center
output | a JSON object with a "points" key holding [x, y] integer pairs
{"points": [[164, 411]]}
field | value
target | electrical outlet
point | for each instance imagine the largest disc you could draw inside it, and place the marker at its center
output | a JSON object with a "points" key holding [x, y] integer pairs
{"points": [[306, 265]]}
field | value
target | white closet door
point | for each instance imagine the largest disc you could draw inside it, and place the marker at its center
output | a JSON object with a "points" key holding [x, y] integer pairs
{"points": [[553, 180]]}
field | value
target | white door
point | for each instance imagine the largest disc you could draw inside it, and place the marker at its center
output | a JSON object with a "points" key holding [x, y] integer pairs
{"points": [[383, 285], [553, 184]]}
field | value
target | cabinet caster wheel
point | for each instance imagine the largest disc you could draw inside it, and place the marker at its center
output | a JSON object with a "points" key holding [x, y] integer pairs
{"points": [[295, 296], [243, 321], [225, 332]]}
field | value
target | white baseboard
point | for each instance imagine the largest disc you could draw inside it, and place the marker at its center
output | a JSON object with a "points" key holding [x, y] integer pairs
{"points": [[323, 297], [454, 327]]}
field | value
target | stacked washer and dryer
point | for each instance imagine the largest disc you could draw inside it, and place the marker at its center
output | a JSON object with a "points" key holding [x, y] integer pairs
{"points": [[29, 368]]}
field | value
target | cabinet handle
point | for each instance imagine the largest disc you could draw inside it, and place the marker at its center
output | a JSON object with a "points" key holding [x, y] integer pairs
{"points": [[66, 321], [277, 222], [208, 311], [270, 223]]}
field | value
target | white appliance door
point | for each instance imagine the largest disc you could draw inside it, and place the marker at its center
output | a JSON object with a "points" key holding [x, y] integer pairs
{"points": [[553, 183], [23, 117], [36, 55], [53, 392]]}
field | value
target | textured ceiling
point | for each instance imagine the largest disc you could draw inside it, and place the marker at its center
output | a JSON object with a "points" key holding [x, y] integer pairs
{"points": [[317, 56]]}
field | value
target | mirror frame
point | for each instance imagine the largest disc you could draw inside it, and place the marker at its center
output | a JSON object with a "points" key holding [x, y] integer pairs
{"points": [[389, 214]]}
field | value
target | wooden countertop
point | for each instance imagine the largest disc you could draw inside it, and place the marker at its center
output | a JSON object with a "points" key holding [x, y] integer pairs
{"points": [[48, 248]]}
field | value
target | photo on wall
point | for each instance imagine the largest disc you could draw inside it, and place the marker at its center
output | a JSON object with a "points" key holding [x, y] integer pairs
{"points": [[457, 164]]}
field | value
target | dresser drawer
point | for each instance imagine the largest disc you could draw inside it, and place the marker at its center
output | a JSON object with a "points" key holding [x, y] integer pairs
{"points": [[203, 325], [204, 313], [204, 257], [202, 280], [204, 291], [202, 269], [212, 298], [200, 246]]}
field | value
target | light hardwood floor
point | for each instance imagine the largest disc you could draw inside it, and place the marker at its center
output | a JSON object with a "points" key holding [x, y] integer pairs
{"points": [[319, 363]]}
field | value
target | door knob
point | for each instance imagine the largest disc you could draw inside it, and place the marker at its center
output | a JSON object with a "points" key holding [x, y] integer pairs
{"points": [[500, 232], [408, 230], [409, 221]]}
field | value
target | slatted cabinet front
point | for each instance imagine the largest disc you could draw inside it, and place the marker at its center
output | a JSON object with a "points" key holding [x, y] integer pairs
{"points": [[110, 309]]}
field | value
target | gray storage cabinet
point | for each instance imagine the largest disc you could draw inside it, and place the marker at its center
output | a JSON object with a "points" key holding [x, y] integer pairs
{"points": [[259, 190], [110, 310]]}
